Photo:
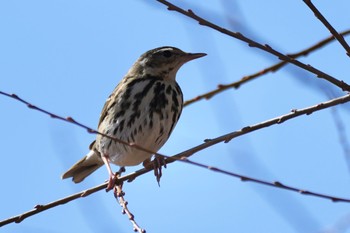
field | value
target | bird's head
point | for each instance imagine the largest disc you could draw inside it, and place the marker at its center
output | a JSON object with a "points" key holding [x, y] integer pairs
{"points": [[163, 62]]}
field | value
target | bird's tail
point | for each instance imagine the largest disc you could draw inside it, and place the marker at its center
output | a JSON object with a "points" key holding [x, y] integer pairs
{"points": [[84, 167]]}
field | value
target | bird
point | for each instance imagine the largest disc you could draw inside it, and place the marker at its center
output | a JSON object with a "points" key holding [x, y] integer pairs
{"points": [[143, 109]]}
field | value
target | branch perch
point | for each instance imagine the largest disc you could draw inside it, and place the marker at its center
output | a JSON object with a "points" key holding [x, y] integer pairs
{"points": [[185, 154]]}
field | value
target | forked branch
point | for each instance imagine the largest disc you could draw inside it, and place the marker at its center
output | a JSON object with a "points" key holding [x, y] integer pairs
{"points": [[267, 48]]}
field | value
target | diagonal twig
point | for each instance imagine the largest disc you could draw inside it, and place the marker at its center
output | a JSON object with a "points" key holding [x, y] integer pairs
{"points": [[42, 207], [334, 32], [208, 143], [119, 195], [267, 48], [273, 68], [74, 122], [277, 120]]}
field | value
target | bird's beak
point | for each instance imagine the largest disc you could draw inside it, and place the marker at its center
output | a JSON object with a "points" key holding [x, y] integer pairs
{"points": [[192, 56]]}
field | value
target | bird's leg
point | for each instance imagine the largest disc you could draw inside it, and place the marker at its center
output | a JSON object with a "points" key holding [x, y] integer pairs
{"points": [[157, 164], [112, 176]]}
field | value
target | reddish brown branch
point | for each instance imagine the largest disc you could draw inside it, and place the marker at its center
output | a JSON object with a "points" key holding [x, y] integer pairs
{"points": [[185, 154], [273, 68], [267, 48], [119, 195], [338, 36]]}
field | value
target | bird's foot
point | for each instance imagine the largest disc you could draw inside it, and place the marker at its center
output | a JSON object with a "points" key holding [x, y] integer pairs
{"points": [[113, 178], [157, 164], [112, 181]]}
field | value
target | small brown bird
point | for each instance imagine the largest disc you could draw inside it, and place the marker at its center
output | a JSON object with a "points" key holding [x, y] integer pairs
{"points": [[143, 109]]}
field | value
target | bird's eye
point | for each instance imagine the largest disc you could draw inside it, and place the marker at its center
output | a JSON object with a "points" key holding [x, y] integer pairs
{"points": [[166, 53]]}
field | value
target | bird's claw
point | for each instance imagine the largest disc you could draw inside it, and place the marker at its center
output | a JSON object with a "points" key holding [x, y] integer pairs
{"points": [[113, 178], [112, 181], [157, 164]]}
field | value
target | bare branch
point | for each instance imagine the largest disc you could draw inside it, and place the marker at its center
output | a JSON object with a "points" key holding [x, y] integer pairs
{"points": [[278, 120], [74, 122], [320, 74], [40, 208], [208, 142], [273, 68], [119, 195], [185, 154], [275, 184], [338, 36]]}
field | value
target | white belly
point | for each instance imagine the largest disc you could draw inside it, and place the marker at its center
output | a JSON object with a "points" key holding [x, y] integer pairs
{"points": [[146, 128]]}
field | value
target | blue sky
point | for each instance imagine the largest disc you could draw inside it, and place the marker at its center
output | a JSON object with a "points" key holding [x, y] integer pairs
{"points": [[67, 56]]}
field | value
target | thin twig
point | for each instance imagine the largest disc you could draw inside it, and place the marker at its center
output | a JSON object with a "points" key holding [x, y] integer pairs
{"points": [[267, 48], [278, 120], [275, 184], [119, 195], [208, 143], [40, 208], [334, 32], [273, 68], [74, 122]]}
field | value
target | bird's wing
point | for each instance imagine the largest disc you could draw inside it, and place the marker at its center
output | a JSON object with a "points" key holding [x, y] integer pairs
{"points": [[110, 102]]}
